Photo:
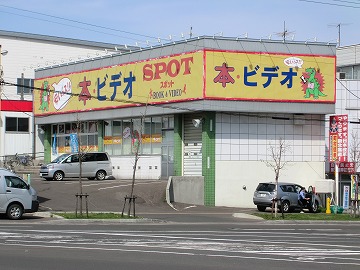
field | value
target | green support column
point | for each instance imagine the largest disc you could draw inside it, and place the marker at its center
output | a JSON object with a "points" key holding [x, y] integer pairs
{"points": [[208, 158], [178, 128], [47, 144], [101, 135]]}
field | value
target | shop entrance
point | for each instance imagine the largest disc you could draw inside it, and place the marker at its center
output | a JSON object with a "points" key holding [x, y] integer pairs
{"points": [[167, 150], [167, 161], [192, 146]]}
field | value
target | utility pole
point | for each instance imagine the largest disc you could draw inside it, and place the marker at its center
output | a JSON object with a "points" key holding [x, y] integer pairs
{"points": [[285, 33], [2, 53], [339, 33], [338, 25]]}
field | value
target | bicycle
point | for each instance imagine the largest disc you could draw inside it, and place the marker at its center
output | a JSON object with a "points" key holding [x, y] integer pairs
{"points": [[25, 160], [9, 164]]}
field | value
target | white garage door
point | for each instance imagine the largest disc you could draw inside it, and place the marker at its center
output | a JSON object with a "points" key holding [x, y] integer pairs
{"points": [[192, 147]]}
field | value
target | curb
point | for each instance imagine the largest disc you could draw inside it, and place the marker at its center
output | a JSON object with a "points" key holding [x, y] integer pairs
{"points": [[53, 217], [246, 216]]}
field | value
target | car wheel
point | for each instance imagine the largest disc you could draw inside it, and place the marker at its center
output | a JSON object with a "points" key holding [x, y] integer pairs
{"points": [[314, 207], [261, 208], [286, 206], [58, 176], [14, 211], [100, 175]]}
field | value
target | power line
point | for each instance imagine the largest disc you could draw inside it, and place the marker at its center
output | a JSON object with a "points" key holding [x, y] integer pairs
{"points": [[347, 89], [75, 21], [135, 103], [59, 23], [332, 4], [168, 106]]}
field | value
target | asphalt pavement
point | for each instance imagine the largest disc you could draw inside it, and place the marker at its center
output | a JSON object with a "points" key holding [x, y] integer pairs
{"points": [[109, 196]]}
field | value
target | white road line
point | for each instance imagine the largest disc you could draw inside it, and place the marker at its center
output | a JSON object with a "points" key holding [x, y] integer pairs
{"points": [[187, 253], [136, 184]]}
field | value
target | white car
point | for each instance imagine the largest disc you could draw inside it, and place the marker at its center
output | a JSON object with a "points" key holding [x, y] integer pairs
{"points": [[16, 196], [94, 165]]}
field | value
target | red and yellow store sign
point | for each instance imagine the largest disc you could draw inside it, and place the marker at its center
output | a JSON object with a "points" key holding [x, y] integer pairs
{"points": [[205, 74], [169, 79], [270, 77]]}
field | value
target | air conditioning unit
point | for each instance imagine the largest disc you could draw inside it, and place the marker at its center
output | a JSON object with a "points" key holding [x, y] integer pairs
{"points": [[340, 75]]}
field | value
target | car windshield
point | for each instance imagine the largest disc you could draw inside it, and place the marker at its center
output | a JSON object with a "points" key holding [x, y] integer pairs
{"points": [[266, 187], [60, 158]]}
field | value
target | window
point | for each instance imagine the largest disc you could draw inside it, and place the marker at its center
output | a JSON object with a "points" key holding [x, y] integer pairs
{"points": [[348, 72], [101, 157], [156, 134], [17, 124], [25, 86], [75, 158], [120, 135], [356, 72], [87, 140], [15, 182], [126, 137]]}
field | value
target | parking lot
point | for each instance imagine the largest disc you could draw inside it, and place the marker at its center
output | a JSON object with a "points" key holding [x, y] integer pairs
{"points": [[106, 195]]}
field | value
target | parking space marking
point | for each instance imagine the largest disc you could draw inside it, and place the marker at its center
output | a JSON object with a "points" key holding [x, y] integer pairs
{"points": [[127, 185]]}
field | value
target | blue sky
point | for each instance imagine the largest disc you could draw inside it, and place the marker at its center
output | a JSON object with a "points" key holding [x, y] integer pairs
{"points": [[131, 21]]}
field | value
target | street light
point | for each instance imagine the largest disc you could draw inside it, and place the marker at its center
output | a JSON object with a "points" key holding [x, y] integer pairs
{"points": [[1, 77]]}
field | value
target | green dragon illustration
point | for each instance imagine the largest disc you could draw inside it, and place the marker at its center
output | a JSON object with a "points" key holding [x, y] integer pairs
{"points": [[44, 97], [313, 85]]}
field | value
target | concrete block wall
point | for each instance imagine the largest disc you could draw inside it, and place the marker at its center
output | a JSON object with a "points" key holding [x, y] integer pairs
{"points": [[187, 189]]}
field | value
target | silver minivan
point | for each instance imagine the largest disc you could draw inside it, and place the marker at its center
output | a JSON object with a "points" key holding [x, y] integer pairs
{"points": [[94, 165], [16, 196]]}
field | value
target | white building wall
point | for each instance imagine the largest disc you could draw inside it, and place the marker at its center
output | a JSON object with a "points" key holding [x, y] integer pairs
{"points": [[348, 55], [16, 142], [236, 181], [243, 141], [148, 167]]}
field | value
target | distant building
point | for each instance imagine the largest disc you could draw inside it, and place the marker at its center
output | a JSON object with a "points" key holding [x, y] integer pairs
{"points": [[25, 53], [347, 104]]}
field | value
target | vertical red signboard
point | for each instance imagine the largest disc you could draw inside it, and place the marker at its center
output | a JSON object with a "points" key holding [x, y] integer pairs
{"points": [[338, 138]]}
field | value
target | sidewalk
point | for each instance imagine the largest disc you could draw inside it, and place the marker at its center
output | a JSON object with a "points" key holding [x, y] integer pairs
{"points": [[165, 213]]}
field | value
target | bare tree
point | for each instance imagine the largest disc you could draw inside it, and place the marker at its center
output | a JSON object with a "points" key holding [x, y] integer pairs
{"points": [[354, 155], [136, 137], [81, 151], [277, 163], [354, 149], [80, 195]]}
